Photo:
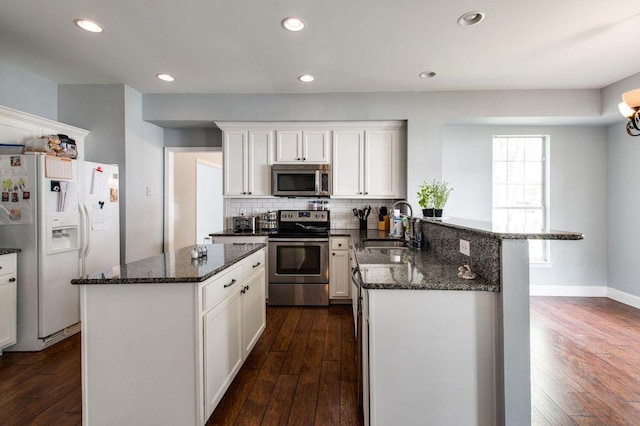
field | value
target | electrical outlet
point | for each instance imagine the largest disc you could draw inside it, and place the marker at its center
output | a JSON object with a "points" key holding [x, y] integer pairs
{"points": [[465, 247], [148, 191]]}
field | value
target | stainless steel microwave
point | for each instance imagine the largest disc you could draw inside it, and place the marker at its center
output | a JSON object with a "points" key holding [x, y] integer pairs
{"points": [[301, 180]]}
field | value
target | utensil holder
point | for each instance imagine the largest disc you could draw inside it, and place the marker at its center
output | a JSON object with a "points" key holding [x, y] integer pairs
{"points": [[363, 224]]}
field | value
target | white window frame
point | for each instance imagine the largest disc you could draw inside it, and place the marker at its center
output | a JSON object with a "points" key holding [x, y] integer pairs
{"points": [[546, 257]]}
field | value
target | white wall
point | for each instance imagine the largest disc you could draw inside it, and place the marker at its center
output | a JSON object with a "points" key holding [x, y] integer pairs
{"points": [[578, 193], [193, 137], [28, 92], [144, 181], [184, 195]]}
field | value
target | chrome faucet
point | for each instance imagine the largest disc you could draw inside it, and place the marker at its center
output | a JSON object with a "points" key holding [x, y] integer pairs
{"points": [[408, 235]]}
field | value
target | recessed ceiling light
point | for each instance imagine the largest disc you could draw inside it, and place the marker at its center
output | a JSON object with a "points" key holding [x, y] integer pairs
{"points": [[165, 77], [293, 24], [427, 74], [88, 25], [306, 78], [470, 18]]}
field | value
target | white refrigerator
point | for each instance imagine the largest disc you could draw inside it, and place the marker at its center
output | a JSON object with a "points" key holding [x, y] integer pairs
{"points": [[64, 216]]}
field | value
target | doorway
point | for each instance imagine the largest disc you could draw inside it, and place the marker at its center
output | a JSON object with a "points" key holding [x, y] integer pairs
{"points": [[193, 196]]}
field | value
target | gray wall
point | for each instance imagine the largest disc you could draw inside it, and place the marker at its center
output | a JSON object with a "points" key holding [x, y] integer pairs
{"points": [[192, 137], [28, 92], [144, 183], [578, 193], [425, 112], [101, 110]]}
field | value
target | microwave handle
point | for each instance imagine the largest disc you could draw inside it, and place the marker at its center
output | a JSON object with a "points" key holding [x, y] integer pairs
{"points": [[318, 178]]}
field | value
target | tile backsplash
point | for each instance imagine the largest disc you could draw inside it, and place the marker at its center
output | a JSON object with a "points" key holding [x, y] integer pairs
{"points": [[341, 209]]}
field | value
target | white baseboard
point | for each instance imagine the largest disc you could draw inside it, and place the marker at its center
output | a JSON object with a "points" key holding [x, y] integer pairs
{"points": [[622, 297], [585, 291], [569, 290]]}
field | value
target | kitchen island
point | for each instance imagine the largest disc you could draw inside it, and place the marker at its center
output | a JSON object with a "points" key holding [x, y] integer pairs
{"points": [[163, 337], [438, 349]]}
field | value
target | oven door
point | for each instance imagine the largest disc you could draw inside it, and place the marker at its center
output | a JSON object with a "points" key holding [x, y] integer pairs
{"points": [[299, 260]]}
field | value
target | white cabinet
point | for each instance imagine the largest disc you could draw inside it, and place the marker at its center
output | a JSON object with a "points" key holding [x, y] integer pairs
{"points": [[8, 300], [254, 309], [247, 162], [309, 146], [234, 317], [223, 353], [369, 162], [339, 269]]}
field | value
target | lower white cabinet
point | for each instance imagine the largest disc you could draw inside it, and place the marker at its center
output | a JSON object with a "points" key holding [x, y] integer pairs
{"points": [[232, 326], [8, 300], [339, 269], [223, 348]]}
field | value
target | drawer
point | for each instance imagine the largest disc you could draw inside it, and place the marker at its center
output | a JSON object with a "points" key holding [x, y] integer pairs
{"points": [[8, 264], [340, 243], [254, 263], [221, 285]]}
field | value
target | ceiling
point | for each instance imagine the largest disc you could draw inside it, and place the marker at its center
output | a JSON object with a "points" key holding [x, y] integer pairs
{"points": [[239, 46]]}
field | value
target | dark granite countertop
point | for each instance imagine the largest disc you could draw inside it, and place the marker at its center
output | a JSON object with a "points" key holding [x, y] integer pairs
{"points": [[488, 229], [9, 251], [406, 269], [173, 267]]}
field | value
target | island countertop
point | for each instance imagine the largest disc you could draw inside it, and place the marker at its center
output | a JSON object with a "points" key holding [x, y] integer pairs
{"points": [[174, 266]]}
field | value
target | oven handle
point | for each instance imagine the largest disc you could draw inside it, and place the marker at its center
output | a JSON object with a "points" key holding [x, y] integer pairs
{"points": [[298, 240]]}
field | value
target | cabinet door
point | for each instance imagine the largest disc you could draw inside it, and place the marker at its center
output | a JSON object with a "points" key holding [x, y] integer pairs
{"points": [[223, 355], [253, 310], [235, 164], [315, 146], [7, 312], [348, 157], [381, 162], [288, 146], [339, 283], [259, 163]]}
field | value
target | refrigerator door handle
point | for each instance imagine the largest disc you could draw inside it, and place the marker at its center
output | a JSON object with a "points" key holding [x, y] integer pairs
{"points": [[88, 230]]}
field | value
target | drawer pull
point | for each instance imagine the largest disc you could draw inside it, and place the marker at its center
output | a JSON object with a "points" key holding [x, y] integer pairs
{"points": [[11, 280], [233, 281], [257, 264]]}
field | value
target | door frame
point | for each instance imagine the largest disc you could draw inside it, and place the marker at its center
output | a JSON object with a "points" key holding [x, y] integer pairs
{"points": [[169, 153]]}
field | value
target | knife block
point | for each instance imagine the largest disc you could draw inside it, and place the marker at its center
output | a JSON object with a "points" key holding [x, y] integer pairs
{"points": [[383, 225]]}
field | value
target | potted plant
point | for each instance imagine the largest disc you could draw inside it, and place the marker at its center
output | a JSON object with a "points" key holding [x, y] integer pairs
{"points": [[425, 199], [441, 193]]}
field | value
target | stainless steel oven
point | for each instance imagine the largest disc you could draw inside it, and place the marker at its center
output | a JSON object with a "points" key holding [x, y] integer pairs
{"points": [[299, 259]]}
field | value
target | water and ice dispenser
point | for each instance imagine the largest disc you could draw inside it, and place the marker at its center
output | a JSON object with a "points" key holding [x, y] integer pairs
{"points": [[62, 232]]}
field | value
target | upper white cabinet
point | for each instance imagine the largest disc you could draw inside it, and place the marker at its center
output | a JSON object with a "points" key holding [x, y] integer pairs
{"points": [[370, 162], [247, 162], [308, 146], [368, 158]]}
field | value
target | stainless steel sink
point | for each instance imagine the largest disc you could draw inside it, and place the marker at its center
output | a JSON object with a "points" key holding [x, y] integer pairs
{"points": [[385, 244]]}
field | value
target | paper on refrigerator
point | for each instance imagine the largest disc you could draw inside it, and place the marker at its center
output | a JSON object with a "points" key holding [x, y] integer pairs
{"points": [[15, 204]]}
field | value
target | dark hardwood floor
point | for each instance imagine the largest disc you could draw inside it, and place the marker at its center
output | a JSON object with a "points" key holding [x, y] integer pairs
{"points": [[585, 358], [585, 370]]}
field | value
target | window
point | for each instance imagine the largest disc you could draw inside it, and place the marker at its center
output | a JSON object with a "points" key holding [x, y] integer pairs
{"points": [[520, 188]]}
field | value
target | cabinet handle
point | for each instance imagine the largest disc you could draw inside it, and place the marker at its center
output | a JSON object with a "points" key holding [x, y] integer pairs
{"points": [[243, 291], [366, 193], [339, 244], [249, 192], [333, 254], [256, 265], [10, 279], [304, 159], [247, 288], [233, 281]]}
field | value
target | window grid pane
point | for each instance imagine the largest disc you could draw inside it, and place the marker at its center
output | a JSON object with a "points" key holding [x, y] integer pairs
{"points": [[519, 187]]}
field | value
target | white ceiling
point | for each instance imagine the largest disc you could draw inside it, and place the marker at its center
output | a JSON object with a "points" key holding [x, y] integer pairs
{"points": [[238, 46]]}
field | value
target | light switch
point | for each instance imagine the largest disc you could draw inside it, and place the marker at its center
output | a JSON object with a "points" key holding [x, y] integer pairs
{"points": [[465, 247]]}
